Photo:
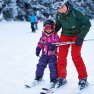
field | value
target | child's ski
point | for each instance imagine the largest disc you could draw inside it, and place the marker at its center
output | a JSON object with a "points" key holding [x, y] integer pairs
{"points": [[50, 90], [31, 85], [35, 83]]}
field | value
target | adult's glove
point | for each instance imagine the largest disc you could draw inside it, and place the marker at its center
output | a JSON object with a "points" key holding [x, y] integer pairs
{"points": [[38, 49], [51, 46], [79, 41]]}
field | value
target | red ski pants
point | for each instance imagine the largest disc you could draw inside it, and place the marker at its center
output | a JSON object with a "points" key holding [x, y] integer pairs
{"points": [[76, 57]]}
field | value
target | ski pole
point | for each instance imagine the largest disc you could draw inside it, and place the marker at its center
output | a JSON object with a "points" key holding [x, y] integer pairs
{"points": [[89, 40], [63, 43], [70, 42]]}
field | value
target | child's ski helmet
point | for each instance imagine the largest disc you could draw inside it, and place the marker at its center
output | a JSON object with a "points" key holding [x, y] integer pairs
{"points": [[49, 25], [51, 22]]}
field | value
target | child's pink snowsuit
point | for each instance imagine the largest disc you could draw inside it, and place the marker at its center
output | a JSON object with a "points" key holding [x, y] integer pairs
{"points": [[53, 37]]}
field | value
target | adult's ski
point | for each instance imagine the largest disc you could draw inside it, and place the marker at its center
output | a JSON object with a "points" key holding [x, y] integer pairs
{"points": [[78, 91]]}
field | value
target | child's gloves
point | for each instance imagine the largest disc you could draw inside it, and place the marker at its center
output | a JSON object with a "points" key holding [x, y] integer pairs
{"points": [[79, 41], [51, 46], [38, 49]]}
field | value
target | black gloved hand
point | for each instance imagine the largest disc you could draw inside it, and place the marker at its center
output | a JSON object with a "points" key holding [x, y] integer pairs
{"points": [[38, 49], [51, 46], [79, 41]]}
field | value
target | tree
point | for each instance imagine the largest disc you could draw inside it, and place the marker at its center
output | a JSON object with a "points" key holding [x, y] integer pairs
{"points": [[22, 9]]}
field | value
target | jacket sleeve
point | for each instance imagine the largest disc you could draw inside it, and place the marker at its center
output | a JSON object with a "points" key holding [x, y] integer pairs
{"points": [[57, 38], [85, 24], [41, 42], [58, 24]]}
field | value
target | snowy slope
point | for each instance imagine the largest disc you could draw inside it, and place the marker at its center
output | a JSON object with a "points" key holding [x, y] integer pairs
{"points": [[18, 60]]}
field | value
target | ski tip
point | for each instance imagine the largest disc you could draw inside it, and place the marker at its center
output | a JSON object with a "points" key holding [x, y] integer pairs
{"points": [[45, 89], [27, 86], [42, 93]]}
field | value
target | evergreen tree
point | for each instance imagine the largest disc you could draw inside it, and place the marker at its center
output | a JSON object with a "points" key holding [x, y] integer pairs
{"points": [[22, 9]]}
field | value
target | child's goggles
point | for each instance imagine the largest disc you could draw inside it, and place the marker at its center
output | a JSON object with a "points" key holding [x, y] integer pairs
{"points": [[58, 5], [49, 27]]}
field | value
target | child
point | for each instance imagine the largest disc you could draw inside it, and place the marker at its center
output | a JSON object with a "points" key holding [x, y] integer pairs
{"points": [[33, 21], [49, 52]]}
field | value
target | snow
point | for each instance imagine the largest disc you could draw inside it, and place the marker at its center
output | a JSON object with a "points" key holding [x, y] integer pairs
{"points": [[18, 60]]}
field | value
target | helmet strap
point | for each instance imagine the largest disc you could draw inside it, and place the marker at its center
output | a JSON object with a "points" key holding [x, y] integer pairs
{"points": [[48, 32]]}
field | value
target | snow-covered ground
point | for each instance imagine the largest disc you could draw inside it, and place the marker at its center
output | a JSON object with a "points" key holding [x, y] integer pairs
{"points": [[18, 60]]}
